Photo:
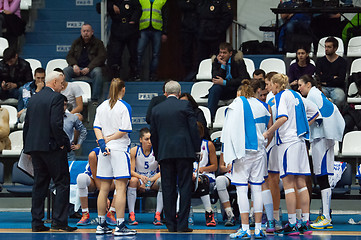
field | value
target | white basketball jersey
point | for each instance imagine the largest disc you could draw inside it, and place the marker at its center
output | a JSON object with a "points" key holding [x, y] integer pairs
{"points": [[204, 162], [145, 165]]}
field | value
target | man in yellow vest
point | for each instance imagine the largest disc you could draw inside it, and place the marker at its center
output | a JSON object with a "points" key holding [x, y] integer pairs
{"points": [[153, 28]]}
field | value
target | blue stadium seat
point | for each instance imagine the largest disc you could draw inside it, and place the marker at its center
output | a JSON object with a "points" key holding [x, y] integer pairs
{"points": [[22, 183]]}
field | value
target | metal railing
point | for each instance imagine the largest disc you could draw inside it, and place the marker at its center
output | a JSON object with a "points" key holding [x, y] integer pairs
{"points": [[104, 22], [234, 33]]}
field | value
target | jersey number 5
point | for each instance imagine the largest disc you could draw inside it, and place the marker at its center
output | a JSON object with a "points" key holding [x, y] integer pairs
{"points": [[146, 165]]}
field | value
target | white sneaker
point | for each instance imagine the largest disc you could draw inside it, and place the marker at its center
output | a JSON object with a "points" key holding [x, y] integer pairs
{"points": [[322, 223], [242, 234], [103, 229]]}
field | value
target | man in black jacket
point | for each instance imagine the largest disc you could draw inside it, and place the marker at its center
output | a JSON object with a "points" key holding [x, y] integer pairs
{"points": [[48, 144], [125, 16], [228, 71], [14, 73], [175, 141]]}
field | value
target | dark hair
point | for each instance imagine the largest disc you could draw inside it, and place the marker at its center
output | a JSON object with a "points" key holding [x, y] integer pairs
{"points": [[258, 72], [200, 129], [9, 53], [227, 46], [333, 41], [309, 79], [307, 50], [143, 131], [39, 70], [65, 99], [262, 84], [58, 70], [255, 84], [270, 75], [191, 100]]}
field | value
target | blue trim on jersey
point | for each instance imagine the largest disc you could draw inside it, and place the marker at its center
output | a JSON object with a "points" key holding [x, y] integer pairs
{"points": [[151, 149], [249, 126], [252, 183], [264, 119], [239, 184], [127, 131], [270, 171], [285, 161], [105, 177], [128, 160], [327, 108], [313, 117], [283, 115], [271, 102], [97, 127], [122, 177], [264, 104], [324, 164], [295, 174], [128, 107]]}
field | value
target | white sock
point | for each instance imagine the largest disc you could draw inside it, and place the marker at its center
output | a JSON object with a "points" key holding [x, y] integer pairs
{"points": [[305, 217], [258, 226], [268, 203], [326, 202], [112, 209], [245, 227], [298, 214], [276, 215], [229, 212], [159, 202], [101, 219], [292, 218], [84, 210], [120, 221], [131, 197]]}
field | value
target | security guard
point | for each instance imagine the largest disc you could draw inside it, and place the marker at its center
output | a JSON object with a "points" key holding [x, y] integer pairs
{"points": [[189, 29], [125, 16], [215, 16], [153, 28]]}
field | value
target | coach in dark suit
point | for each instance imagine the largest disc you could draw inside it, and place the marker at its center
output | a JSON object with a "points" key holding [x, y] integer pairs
{"points": [[47, 143], [175, 141]]}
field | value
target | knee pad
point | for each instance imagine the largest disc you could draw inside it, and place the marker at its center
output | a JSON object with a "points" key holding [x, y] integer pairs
{"points": [[222, 183], [159, 183], [203, 185], [242, 199], [323, 182], [83, 180], [257, 198]]}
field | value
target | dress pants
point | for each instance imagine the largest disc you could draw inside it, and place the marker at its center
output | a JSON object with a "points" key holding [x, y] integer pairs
{"points": [[176, 171]]}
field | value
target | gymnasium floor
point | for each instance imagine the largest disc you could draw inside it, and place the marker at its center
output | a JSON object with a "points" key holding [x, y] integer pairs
{"points": [[17, 225]]}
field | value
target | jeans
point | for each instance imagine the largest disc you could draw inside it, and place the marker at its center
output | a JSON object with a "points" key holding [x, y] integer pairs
{"points": [[337, 95], [216, 93], [96, 80], [147, 36]]}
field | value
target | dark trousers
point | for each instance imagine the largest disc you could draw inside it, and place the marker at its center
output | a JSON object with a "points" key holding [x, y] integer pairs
{"points": [[216, 93], [189, 41], [47, 166], [175, 171], [115, 52]]}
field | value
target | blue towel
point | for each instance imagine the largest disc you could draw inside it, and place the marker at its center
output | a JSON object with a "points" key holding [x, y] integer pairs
{"points": [[250, 126]]}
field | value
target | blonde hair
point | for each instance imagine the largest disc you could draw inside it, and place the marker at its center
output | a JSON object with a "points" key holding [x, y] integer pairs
{"points": [[281, 80], [115, 88], [246, 89]]}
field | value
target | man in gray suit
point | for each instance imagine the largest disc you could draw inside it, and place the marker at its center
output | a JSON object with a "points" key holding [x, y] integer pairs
{"points": [[175, 141]]}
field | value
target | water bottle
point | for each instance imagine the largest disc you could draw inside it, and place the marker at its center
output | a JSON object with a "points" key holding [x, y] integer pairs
{"points": [[147, 185], [215, 213], [190, 217]]}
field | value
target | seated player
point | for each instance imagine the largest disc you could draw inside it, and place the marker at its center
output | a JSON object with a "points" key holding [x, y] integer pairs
{"points": [[207, 167], [88, 182], [223, 183], [145, 175]]}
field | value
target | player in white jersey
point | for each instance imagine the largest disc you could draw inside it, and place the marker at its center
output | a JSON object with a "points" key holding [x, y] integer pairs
{"points": [[88, 182], [145, 176], [323, 137], [112, 125], [291, 128], [244, 146], [207, 167]]}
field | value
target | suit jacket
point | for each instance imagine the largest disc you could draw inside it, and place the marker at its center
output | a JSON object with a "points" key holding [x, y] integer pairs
{"points": [[155, 101], [174, 132], [43, 128]]}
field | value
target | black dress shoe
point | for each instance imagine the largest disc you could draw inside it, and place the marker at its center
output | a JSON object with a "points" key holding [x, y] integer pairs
{"points": [[76, 215], [186, 230], [63, 228], [41, 228]]}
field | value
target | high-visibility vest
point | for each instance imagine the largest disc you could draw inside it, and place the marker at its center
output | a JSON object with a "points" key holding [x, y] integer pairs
{"points": [[152, 13]]}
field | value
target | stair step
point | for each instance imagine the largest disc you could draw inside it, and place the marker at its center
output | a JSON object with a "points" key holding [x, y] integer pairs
{"points": [[75, 15], [65, 25]]}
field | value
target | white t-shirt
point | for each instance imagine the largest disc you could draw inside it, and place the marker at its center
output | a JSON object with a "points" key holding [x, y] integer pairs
{"points": [[113, 120], [71, 92]]}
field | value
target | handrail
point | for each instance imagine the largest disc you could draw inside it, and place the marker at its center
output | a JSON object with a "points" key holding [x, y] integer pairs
{"points": [[234, 33], [104, 22]]}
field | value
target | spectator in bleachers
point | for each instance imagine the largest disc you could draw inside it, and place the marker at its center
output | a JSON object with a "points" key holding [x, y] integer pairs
{"points": [[259, 74], [145, 176], [124, 32], [189, 29], [228, 71], [215, 16], [10, 18], [28, 90], [72, 123], [301, 67], [323, 136], [88, 182], [14, 73], [199, 113], [153, 28], [85, 58], [331, 69]]}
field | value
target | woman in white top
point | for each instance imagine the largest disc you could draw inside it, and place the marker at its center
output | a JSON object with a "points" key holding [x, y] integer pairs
{"points": [[324, 133], [112, 126]]}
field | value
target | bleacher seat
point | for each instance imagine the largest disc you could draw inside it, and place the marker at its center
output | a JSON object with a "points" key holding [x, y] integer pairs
{"points": [[249, 65], [353, 91], [16, 139], [1, 176], [354, 47], [205, 70], [22, 184], [13, 118], [355, 66], [216, 134], [207, 115], [321, 47], [273, 65], [293, 54], [4, 44], [351, 145], [219, 117], [34, 64], [25, 4], [199, 90], [86, 90], [55, 63], [311, 61]]}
